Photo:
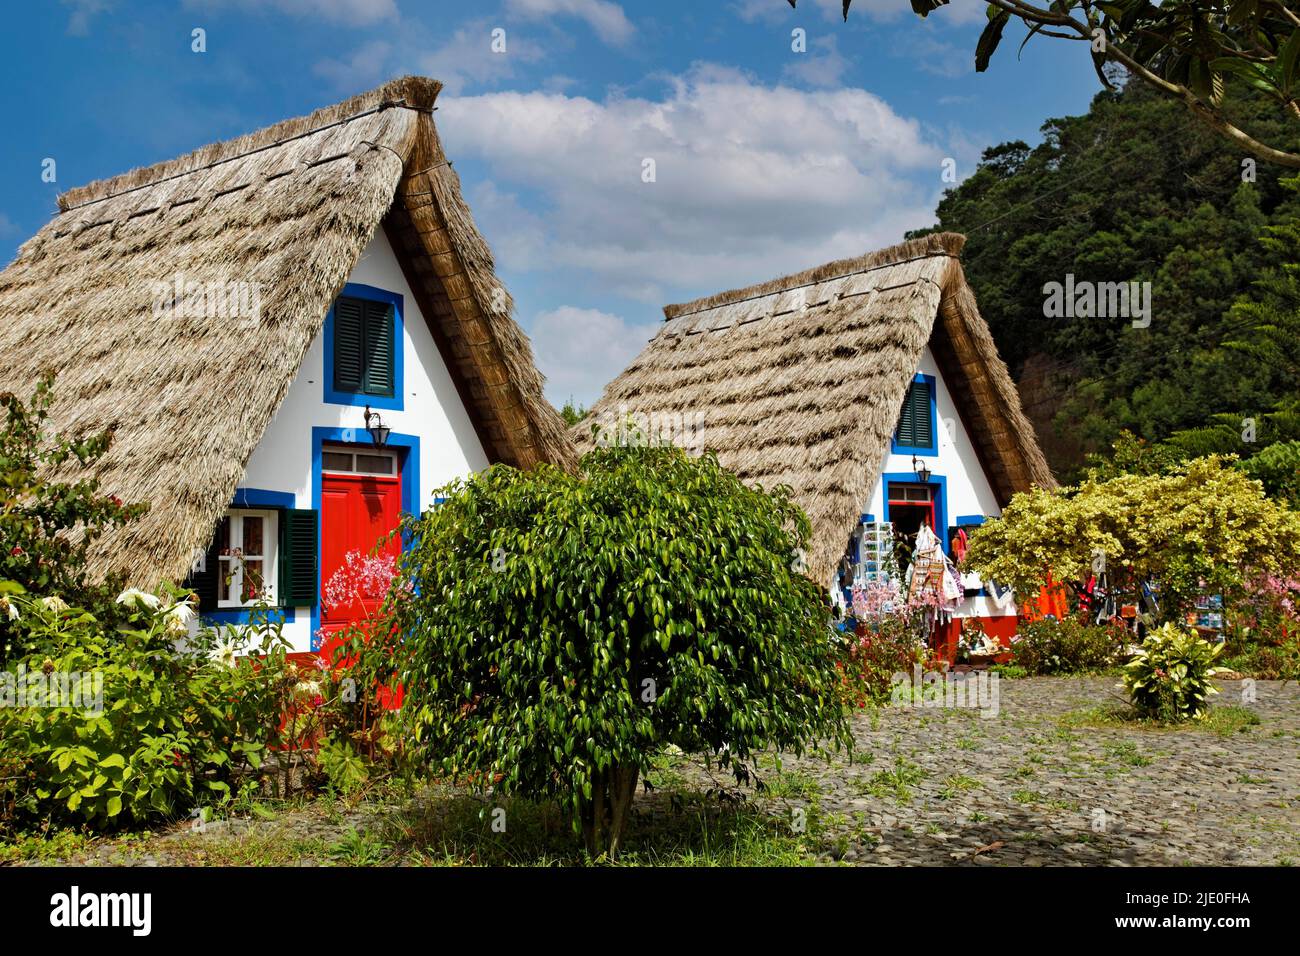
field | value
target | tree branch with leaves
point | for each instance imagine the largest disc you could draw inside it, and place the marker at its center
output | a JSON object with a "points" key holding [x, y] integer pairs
{"points": [[1185, 48]]}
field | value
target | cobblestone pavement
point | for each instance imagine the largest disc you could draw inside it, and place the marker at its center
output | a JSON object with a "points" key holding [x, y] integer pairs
{"points": [[1041, 783], [1032, 787]]}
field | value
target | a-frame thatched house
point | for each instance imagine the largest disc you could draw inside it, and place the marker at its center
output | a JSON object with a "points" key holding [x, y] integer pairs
{"points": [[234, 314], [800, 381]]}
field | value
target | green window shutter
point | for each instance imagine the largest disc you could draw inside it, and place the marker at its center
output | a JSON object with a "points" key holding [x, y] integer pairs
{"points": [[378, 349], [298, 557], [915, 424], [364, 347], [349, 344], [203, 581]]}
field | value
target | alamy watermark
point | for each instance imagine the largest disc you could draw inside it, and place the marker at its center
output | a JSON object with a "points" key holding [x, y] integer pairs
{"points": [[1103, 300], [51, 688], [976, 690], [189, 298], [627, 428]]}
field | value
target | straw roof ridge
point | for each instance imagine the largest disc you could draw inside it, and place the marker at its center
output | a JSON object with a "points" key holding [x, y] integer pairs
{"points": [[935, 244], [798, 380], [416, 92], [285, 211]]}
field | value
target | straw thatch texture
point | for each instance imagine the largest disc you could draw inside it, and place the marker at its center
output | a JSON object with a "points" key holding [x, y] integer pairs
{"points": [[287, 210], [798, 381]]}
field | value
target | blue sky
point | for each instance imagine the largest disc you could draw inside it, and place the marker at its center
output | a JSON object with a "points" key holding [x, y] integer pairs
{"points": [[766, 161]]}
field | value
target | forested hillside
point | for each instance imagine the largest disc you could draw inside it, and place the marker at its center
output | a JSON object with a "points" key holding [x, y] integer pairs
{"points": [[1137, 190]]}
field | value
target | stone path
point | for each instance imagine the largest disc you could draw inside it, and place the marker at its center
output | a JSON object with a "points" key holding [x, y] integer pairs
{"points": [[1040, 783], [945, 786]]}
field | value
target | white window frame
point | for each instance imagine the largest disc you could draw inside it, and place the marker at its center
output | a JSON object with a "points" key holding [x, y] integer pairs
{"points": [[353, 451], [228, 564]]}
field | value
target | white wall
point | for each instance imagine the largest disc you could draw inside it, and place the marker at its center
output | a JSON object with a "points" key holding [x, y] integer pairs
{"points": [[449, 447], [969, 491]]}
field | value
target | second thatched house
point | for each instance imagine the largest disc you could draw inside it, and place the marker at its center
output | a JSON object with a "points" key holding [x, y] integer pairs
{"points": [[294, 336], [870, 386]]}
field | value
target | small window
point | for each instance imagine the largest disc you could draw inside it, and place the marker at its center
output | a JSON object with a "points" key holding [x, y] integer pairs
{"points": [[916, 421], [363, 347], [359, 463], [246, 558]]}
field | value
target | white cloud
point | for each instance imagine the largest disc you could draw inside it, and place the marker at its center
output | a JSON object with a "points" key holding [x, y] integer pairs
{"points": [[607, 19], [822, 65], [467, 58], [351, 12], [83, 11], [751, 181], [579, 350], [7, 226], [363, 69]]}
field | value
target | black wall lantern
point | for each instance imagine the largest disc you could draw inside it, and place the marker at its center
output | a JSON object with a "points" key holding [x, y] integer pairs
{"points": [[378, 430], [922, 472]]}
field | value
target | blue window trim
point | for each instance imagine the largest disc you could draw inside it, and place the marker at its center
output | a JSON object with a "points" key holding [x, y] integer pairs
{"points": [[253, 498], [358, 291], [410, 472], [939, 482], [933, 447], [261, 498], [243, 615], [961, 520]]}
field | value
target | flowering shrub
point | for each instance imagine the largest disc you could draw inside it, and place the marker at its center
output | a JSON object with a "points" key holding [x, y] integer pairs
{"points": [[887, 633], [1169, 679], [1263, 635], [359, 578], [47, 526], [157, 730], [1051, 646]]}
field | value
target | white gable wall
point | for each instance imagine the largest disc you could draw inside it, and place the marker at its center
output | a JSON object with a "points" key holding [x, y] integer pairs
{"points": [[432, 410], [968, 491]]}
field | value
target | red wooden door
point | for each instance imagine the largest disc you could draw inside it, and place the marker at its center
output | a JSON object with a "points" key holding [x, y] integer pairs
{"points": [[356, 512]]}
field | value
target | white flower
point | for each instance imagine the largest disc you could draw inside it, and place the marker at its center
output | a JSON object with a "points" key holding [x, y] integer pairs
{"points": [[54, 603], [307, 688], [177, 619], [138, 597], [224, 654], [9, 606]]}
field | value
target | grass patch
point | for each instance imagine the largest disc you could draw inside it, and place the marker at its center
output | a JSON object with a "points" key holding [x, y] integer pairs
{"points": [[896, 782], [1224, 721], [955, 784], [678, 828]]}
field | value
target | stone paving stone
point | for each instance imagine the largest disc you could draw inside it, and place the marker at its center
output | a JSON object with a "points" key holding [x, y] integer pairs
{"points": [[1056, 796]]}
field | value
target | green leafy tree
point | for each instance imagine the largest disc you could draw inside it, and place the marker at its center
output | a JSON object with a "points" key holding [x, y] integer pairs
{"points": [[572, 414], [1134, 190], [48, 518], [559, 630], [1205, 526]]}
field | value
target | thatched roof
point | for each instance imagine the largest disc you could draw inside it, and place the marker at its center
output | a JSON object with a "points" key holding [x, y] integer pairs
{"points": [[799, 380], [289, 209]]}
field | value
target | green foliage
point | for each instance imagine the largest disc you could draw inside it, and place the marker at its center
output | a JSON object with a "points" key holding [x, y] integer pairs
{"points": [[1204, 527], [47, 525], [1169, 679], [572, 414], [886, 646], [342, 765], [1050, 646], [1134, 190], [1277, 467], [559, 630], [156, 731]]}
